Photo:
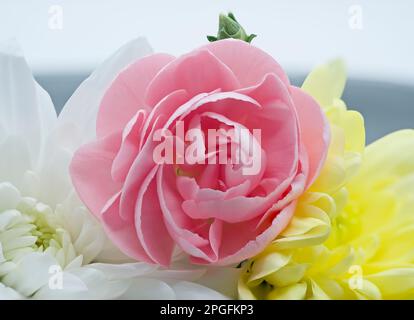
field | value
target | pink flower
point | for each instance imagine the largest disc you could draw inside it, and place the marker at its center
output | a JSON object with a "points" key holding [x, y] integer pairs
{"points": [[214, 212]]}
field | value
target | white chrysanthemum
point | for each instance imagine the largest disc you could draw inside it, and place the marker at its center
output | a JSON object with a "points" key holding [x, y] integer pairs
{"points": [[27, 226], [50, 245]]}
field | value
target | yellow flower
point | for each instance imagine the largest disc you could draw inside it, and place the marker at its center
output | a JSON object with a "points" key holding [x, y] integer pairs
{"points": [[352, 236]]}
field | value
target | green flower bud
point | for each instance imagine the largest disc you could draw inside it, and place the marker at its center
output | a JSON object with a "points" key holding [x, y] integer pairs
{"points": [[230, 28]]}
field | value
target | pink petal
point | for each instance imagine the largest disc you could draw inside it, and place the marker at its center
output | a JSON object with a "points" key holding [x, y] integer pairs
{"points": [[209, 176], [189, 234], [149, 223], [190, 190], [314, 129], [228, 104], [278, 123], [248, 63], [235, 176], [241, 241], [166, 108], [297, 187], [122, 232], [129, 147], [268, 90], [144, 162], [125, 96], [232, 210], [236, 209], [215, 235], [90, 170], [196, 72]]}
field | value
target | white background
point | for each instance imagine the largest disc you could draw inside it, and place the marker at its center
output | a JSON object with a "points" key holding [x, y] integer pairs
{"points": [[299, 34]]}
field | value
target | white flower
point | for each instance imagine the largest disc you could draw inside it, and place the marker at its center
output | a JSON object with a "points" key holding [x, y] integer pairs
{"points": [[50, 245]]}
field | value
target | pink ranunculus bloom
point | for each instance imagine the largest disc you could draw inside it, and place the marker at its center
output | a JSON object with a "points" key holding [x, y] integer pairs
{"points": [[214, 212]]}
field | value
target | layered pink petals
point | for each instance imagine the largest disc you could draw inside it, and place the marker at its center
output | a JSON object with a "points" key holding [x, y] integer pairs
{"points": [[121, 232], [243, 240], [216, 212], [196, 72], [126, 94], [152, 234], [129, 147], [248, 63]]}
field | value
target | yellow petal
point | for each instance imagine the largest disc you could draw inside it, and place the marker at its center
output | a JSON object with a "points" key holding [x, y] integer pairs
{"points": [[317, 292], [395, 282], [244, 291], [387, 160], [267, 264], [368, 291], [287, 275], [326, 82]]}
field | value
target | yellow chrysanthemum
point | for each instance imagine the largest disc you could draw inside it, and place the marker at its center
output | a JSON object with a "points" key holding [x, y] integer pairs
{"points": [[352, 236]]}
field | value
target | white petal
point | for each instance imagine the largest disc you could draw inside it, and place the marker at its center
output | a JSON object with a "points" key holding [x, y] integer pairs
{"points": [[84, 283], [86, 233], [30, 274], [7, 293], [149, 289], [14, 160], [221, 279], [125, 270], [53, 182], [192, 291], [111, 254], [79, 113], [2, 258], [26, 110], [70, 287], [75, 263], [188, 274], [9, 197]]}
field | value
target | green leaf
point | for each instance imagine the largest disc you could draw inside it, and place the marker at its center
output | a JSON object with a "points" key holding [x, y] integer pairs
{"points": [[212, 38]]}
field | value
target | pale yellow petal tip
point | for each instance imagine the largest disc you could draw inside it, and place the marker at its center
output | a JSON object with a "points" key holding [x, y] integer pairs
{"points": [[355, 135], [326, 82]]}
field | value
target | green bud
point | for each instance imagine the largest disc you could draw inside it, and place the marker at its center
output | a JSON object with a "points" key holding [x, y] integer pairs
{"points": [[229, 27]]}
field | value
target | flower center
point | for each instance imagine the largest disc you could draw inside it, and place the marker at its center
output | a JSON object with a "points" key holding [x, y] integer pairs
{"points": [[44, 228], [27, 225]]}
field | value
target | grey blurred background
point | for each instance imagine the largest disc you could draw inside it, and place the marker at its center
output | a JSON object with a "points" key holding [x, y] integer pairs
{"points": [[64, 40]]}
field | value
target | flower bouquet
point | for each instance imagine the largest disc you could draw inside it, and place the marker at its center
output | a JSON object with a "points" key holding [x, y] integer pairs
{"points": [[203, 176]]}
